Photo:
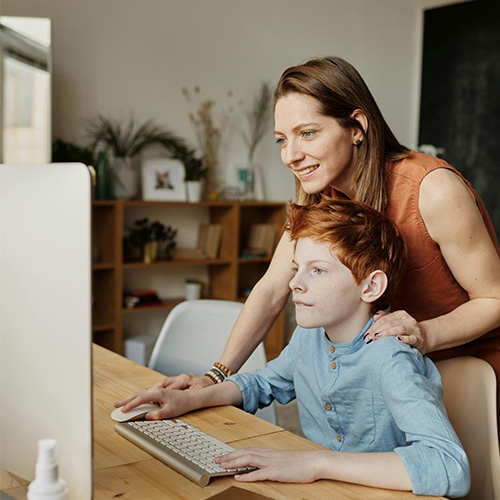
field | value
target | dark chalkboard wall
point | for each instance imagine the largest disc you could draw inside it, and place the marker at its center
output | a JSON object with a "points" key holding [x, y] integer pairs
{"points": [[460, 105]]}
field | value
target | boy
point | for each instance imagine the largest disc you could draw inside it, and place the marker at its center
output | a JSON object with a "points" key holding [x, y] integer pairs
{"points": [[377, 407]]}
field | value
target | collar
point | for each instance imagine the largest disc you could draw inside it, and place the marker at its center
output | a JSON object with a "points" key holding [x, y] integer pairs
{"points": [[348, 347]]}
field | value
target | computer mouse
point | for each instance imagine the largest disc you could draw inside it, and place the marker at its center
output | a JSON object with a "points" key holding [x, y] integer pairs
{"points": [[134, 414]]}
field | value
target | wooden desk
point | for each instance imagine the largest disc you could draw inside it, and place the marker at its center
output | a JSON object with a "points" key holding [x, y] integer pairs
{"points": [[121, 470]]}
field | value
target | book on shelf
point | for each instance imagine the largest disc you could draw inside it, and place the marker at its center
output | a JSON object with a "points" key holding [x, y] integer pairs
{"points": [[209, 240], [208, 247], [261, 241], [138, 298]]}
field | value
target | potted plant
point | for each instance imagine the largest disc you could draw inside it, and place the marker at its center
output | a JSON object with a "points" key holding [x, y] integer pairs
{"points": [[67, 152], [145, 237], [125, 139], [195, 173]]}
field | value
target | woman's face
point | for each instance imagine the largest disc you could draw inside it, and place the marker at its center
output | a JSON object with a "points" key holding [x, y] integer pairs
{"points": [[314, 147]]}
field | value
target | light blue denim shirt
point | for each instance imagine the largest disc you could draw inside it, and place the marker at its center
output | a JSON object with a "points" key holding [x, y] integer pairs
{"points": [[357, 397]]}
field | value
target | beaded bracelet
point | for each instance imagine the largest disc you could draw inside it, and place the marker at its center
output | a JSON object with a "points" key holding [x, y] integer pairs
{"points": [[218, 373], [225, 369], [211, 377]]}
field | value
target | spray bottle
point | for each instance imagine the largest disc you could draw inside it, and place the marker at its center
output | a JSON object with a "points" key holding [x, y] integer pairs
{"points": [[47, 484]]}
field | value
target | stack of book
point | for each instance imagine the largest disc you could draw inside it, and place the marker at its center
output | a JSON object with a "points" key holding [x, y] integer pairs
{"points": [[138, 298], [261, 241], [209, 240], [208, 247]]}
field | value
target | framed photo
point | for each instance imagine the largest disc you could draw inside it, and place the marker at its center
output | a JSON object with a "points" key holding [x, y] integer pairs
{"points": [[163, 180]]}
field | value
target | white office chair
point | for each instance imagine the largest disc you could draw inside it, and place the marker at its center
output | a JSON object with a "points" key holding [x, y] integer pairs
{"points": [[470, 392], [193, 338]]}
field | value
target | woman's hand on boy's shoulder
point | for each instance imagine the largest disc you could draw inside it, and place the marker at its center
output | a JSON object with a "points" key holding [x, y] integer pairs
{"points": [[399, 324]]}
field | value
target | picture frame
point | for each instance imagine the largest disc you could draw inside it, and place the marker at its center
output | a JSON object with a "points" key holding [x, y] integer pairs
{"points": [[163, 180]]}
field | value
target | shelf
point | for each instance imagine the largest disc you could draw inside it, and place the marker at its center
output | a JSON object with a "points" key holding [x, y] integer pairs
{"points": [[102, 328], [103, 203], [177, 263], [254, 260], [226, 204], [166, 305], [103, 266], [227, 277]]}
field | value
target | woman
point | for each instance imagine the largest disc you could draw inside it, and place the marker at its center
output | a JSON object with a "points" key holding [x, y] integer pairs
{"points": [[335, 141]]}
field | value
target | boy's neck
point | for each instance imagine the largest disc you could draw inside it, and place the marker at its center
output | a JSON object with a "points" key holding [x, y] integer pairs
{"points": [[349, 329]]}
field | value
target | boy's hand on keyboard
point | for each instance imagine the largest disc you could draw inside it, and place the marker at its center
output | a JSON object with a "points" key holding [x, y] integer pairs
{"points": [[273, 465], [172, 402]]}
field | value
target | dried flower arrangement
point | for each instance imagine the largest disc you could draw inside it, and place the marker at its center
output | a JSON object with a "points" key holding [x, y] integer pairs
{"points": [[209, 128], [258, 117]]}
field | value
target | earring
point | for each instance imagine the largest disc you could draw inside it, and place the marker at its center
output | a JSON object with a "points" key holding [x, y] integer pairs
{"points": [[358, 142]]}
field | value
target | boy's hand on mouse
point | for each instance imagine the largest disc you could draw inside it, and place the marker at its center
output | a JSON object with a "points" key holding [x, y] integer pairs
{"points": [[172, 403], [274, 465]]}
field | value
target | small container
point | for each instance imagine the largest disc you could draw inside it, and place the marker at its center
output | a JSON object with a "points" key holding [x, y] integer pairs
{"points": [[193, 290], [104, 181]]}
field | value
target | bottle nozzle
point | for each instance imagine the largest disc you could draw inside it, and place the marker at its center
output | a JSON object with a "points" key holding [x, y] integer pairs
{"points": [[47, 485]]}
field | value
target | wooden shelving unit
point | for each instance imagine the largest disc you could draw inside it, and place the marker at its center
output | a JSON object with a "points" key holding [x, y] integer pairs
{"points": [[230, 276]]}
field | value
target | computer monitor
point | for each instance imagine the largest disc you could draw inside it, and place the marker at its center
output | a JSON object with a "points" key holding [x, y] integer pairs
{"points": [[45, 320]]}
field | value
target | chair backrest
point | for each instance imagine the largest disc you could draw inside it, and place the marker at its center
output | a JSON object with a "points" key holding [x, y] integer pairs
{"points": [[470, 392], [193, 337]]}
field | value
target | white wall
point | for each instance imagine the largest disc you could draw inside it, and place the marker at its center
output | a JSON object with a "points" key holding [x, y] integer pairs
{"points": [[122, 56]]}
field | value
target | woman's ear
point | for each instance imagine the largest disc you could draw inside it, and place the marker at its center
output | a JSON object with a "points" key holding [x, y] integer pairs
{"points": [[374, 286], [361, 118]]}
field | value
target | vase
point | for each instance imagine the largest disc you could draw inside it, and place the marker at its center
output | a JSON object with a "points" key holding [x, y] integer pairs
{"points": [[126, 179], [150, 251], [194, 190], [258, 183], [104, 178], [251, 182]]}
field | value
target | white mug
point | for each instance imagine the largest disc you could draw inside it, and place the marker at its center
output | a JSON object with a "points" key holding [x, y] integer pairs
{"points": [[193, 290]]}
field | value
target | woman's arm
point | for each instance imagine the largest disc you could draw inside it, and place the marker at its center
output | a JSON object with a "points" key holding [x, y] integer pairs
{"points": [[454, 222], [262, 307], [381, 470]]}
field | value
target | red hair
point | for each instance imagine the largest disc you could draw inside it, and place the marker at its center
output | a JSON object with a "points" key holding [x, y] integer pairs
{"points": [[363, 239]]}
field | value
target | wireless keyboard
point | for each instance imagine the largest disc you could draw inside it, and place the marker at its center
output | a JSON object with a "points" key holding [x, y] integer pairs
{"points": [[181, 446]]}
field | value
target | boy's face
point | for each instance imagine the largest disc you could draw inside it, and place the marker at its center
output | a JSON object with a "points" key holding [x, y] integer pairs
{"points": [[324, 291]]}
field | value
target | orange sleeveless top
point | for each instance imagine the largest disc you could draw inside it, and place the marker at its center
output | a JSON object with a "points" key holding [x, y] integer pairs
{"points": [[428, 288]]}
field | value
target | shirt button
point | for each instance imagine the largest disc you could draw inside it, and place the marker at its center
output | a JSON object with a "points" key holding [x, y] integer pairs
{"points": [[333, 365], [339, 438], [328, 406], [332, 349]]}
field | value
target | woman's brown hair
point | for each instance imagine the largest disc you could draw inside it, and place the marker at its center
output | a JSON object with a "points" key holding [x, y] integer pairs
{"points": [[340, 90]]}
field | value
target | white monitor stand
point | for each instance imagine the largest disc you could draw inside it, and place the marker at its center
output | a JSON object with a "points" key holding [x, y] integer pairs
{"points": [[45, 320]]}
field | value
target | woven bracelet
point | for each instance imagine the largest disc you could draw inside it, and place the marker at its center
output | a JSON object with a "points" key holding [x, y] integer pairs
{"points": [[210, 376]]}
